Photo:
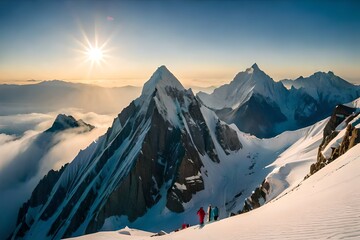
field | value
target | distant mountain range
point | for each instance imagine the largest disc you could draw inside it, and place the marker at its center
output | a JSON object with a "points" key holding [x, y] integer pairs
{"points": [[170, 152], [260, 106], [53, 95]]}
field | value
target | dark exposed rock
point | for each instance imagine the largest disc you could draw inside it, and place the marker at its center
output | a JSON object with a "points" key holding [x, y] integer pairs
{"points": [[257, 116], [257, 198], [227, 138], [338, 115], [127, 113], [63, 122]]}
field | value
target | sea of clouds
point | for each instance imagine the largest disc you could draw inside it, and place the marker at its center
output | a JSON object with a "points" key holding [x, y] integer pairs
{"points": [[23, 164]]}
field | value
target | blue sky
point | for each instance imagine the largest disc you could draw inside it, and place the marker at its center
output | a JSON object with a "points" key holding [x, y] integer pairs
{"points": [[202, 42]]}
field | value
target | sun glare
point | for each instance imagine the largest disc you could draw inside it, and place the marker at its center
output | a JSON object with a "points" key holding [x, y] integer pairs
{"points": [[95, 54]]}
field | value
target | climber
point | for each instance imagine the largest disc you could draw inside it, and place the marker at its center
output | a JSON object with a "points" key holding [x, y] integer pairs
{"points": [[201, 215], [215, 213], [209, 213]]}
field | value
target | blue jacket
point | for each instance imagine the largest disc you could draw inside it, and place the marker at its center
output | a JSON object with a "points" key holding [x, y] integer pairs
{"points": [[215, 211]]}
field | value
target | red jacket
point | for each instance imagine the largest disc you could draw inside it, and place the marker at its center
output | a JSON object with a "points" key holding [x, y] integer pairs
{"points": [[201, 213]]}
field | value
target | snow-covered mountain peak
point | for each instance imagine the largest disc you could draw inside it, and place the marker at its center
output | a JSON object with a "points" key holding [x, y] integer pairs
{"points": [[245, 84], [161, 78], [168, 95], [253, 77]]}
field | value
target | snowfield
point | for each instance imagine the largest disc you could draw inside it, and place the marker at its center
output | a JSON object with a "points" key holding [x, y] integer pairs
{"points": [[325, 206]]}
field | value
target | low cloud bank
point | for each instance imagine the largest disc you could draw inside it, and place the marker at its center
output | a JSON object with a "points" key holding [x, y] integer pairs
{"points": [[24, 162]]}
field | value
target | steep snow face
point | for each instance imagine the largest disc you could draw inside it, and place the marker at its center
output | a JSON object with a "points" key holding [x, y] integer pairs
{"points": [[245, 84]]}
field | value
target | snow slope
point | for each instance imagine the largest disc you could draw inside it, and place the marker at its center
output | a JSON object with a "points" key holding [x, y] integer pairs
{"points": [[294, 163], [325, 206]]}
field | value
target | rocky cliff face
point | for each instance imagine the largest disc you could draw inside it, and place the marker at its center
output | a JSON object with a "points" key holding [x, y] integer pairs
{"points": [[153, 151], [340, 134], [257, 198]]}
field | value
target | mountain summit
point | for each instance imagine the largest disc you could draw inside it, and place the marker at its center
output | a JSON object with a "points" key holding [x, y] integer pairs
{"points": [[242, 88], [161, 78]]}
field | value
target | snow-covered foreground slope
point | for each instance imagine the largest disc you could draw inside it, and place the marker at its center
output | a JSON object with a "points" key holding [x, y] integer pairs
{"points": [[293, 164], [325, 206]]}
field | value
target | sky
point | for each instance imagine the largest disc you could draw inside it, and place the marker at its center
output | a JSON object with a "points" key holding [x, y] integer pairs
{"points": [[204, 43]]}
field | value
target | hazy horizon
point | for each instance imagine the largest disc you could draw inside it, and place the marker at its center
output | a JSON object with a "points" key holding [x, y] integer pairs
{"points": [[111, 83], [203, 43]]}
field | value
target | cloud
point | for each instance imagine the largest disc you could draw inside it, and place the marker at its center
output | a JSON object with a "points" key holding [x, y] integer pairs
{"points": [[6, 138], [22, 163], [110, 18], [20, 123]]}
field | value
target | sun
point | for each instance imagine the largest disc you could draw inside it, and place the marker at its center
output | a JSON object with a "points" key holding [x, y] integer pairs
{"points": [[95, 54]]}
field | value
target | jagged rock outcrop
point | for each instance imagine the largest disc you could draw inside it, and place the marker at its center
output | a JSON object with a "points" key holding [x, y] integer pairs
{"points": [[344, 116], [257, 198]]}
